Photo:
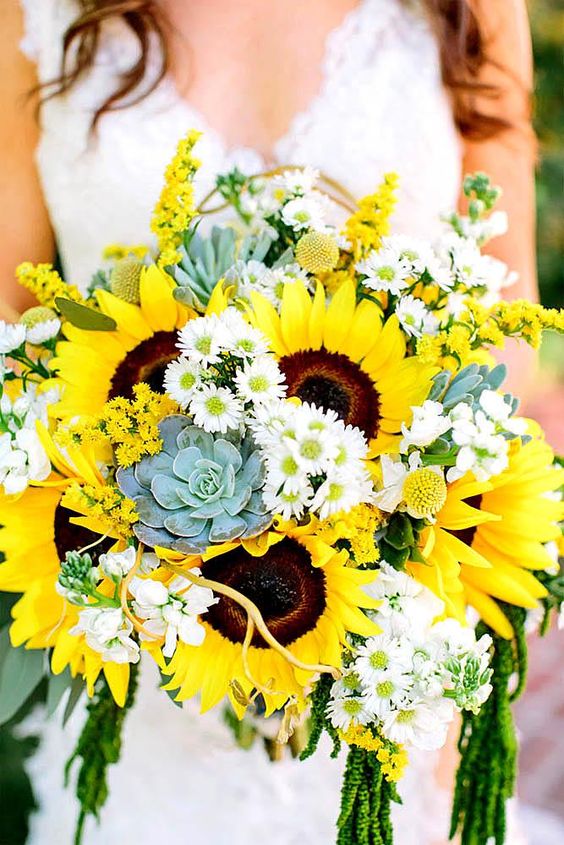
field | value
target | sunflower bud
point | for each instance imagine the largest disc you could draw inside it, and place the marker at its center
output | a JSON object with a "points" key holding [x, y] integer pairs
{"points": [[125, 279], [317, 252]]}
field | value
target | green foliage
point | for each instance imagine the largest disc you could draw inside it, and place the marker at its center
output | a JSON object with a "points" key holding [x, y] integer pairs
{"points": [[319, 722], [488, 745], [366, 797], [547, 20], [99, 745]]}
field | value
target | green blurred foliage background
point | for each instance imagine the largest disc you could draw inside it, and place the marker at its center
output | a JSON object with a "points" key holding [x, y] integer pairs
{"points": [[547, 21]]}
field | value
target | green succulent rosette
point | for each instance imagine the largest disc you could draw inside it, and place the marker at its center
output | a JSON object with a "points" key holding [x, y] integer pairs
{"points": [[198, 490]]}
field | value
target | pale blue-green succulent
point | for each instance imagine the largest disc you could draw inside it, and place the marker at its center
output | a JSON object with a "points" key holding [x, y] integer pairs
{"points": [[200, 489]]}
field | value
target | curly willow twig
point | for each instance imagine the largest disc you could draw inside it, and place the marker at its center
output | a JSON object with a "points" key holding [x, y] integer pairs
{"points": [[339, 194]]}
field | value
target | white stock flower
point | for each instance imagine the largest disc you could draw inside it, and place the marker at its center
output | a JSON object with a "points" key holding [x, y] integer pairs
{"points": [[216, 409], [117, 564], [415, 318], [407, 607], [429, 422], [385, 270], [500, 411], [107, 631], [172, 612], [12, 335], [482, 451]]}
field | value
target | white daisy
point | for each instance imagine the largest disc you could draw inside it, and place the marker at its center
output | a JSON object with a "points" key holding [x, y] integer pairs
{"points": [[199, 340], [346, 710], [41, 332], [389, 691], [272, 284], [12, 335], [341, 492], [416, 252], [288, 504], [283, 470], [385, 270], [381, 655], [182, 378], [216, 408], [352, 447], [313, 449], [416, 320], [307, 212], [240, 338], [271, 422], [260, 381], [420, 724], [297, 182]]}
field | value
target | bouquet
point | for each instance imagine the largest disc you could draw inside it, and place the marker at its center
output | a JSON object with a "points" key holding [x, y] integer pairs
{"points": [[278, 458]]}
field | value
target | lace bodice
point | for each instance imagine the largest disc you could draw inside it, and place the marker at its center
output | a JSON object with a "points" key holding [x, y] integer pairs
{"points": [[381, 107]]}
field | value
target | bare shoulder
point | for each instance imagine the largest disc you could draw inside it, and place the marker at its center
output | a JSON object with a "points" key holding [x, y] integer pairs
{"points": [[505, 24], [24, 223]]}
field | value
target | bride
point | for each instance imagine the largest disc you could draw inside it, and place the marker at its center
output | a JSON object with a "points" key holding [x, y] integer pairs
{"points": [[428, 88]]}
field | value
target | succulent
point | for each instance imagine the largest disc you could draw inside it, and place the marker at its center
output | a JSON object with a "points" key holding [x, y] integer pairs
{"points": [[198, 490], [206, 260]]}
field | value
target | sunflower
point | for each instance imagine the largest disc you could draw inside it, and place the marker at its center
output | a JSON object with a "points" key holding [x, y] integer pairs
{"points": [[94, 366], [489, 537], [42, 618], [308, 598], [341, 356]]}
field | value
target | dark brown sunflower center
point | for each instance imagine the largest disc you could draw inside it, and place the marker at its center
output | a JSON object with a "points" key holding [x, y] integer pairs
{"points": [[467, 534], [70, 537], [333, 381], [286, 588], [145, 362]]}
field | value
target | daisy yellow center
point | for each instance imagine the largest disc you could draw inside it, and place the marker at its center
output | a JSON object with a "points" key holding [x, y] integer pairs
{"points": [[405, 717], [379, 660], [203, 344], [335, 492], [311, 449], [245, 345], [215, 406], [384, 689], [386, 274], [352, 706], [424, 491], [187, 381], [289, 465], [259, 384], [287, 589]]}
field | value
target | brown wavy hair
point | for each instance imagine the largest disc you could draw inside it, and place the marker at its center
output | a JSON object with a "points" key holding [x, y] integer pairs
{"points": [[460, 37]]}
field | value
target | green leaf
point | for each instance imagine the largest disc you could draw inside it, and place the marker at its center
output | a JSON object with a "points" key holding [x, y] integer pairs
{"points": [[20, 674], [76, 690], [83, 317], [57, 685], [395, 557], [400, 532]]}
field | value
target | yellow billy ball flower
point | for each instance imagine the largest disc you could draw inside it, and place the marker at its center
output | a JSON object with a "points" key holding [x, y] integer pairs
{"points": [[424, 492], [38, 314], [126, 279], [317, 252]]}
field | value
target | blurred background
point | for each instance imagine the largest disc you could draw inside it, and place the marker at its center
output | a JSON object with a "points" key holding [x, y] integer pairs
{"points": [[540, 713]]}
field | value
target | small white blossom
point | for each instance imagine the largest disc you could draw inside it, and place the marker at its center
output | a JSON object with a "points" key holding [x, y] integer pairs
{"points": [[200, 340], [43, 331], [297, 182], [419, 724], [428, 423], [260, 381], [116, 565], [346, 710], [182, 378], [307, 212], [216, 409], [12, 335], [415, 318], [385, 270], [108, 632]]}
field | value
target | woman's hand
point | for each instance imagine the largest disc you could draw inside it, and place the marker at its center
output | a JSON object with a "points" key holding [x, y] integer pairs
{"points": [[24, 223]]}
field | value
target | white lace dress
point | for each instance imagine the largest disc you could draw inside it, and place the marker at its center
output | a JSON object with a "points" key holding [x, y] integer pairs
{"points": [[381, 107]]}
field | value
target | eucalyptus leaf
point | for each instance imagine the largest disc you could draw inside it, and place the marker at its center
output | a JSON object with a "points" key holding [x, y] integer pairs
{"points": [[20, 674], [57, 685], [76, 690], [84, 317]]}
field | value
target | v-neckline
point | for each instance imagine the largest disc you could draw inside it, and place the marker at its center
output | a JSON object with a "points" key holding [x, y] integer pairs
{"points": [[196, 116]]}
